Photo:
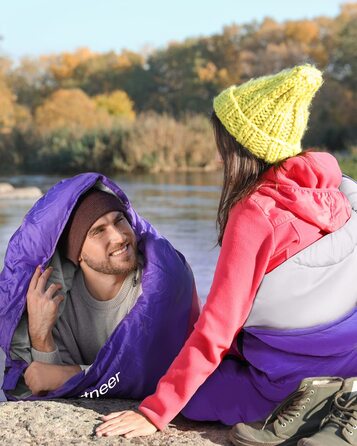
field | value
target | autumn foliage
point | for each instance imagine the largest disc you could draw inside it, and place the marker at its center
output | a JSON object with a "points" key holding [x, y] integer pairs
{"points": [[117, 104], [69, 109], [85, 110]]}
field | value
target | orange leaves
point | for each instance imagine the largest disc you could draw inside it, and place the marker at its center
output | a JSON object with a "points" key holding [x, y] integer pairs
{"points": [[62, 66], [7, 109], [70, 109], [305, 31], [207, 73], [73, 110]]}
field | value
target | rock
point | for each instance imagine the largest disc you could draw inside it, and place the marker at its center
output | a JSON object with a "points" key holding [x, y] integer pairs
{"points": [[9, 192], [6, 188], [72, 422]]}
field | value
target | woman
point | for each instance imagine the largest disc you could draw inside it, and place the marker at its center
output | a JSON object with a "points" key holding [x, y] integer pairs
{"points": [[261, 331]]}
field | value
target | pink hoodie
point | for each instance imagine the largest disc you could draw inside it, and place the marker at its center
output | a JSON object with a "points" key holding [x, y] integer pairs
{"points": [[293, 207], [308, 186]]}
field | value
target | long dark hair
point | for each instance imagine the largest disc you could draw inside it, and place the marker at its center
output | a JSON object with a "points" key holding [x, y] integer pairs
{"points": [[242, 173]]}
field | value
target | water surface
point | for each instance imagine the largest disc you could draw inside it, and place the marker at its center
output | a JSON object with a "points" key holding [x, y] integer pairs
{"points": [[182, 206]]}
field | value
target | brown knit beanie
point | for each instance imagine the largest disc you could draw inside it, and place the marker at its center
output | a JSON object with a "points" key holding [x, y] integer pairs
{"points": [[91, 206]]}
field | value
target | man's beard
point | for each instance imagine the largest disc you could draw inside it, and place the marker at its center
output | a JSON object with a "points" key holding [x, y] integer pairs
{"points": [[105, 267]]}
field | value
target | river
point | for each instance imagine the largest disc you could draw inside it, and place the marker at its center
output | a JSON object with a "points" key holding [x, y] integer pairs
{"points": [[182, 206]]}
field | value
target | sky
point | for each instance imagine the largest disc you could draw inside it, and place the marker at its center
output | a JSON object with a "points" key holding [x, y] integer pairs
{"points": [[37, 27]]}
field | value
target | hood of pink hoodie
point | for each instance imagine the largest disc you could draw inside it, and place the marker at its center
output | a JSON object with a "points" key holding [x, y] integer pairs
{"points": [[308, 186]]}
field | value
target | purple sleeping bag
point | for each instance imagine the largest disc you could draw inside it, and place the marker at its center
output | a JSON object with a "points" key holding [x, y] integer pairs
{"points": [[145, 342]]}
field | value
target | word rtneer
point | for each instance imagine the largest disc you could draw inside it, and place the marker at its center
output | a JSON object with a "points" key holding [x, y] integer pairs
{"points": [[103, 389]]}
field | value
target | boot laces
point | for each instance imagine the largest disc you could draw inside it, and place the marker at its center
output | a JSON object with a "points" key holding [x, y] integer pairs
{"points": [[290, 408], [343, 413]]}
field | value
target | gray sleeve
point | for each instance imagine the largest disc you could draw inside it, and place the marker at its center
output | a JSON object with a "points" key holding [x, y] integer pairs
{"points": [[64, 354], [52, 358], [48, 357]]}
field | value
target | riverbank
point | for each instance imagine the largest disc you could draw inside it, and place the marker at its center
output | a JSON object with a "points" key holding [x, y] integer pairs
{"points": [[9, 192], [72, 422]]}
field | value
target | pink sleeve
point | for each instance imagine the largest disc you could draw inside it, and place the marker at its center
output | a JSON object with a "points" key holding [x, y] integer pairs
{"points": [[246, 249]]}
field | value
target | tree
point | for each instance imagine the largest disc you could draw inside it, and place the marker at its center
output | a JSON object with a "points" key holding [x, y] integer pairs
{"points": [[7, 108], [117, 104], [182, 78], [72, 110], [333, 122], [62, 65], [344, 60], [31, 82], [108, 72]]}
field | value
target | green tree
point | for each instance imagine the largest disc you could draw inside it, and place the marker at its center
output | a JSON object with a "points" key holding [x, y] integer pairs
{"points": [[31, 82], [344, 61], [333, 122]]}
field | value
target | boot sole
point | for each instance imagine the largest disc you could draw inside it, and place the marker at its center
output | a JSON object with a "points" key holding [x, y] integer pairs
{"points": [[287, 442]]}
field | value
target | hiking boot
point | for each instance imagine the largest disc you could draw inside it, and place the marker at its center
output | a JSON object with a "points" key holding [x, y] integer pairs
{"points": [[298, 416], [339, 428]]}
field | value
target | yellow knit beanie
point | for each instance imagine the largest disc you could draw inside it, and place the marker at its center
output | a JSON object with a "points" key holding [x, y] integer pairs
{"points": [[268, 115]]}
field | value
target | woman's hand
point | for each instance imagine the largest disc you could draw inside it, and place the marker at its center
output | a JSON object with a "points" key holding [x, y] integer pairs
{"points": [[128, 423], [42, 310]]}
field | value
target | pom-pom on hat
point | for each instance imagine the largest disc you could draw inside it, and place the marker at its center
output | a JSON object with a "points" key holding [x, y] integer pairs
{"points": [[268, 115]]}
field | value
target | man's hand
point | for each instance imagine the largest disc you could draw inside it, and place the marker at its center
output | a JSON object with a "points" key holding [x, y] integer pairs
{"points": [[42, 310], [42, 377], [128, 423]]}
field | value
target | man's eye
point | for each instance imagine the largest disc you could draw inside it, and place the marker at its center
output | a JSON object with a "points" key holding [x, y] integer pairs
{"points": [[97, 231], [119, 220]]}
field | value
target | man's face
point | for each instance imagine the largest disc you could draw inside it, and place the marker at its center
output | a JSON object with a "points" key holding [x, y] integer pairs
{"points": [[110, 246]]}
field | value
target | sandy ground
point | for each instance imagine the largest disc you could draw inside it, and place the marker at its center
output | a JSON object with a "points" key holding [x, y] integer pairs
{"points": [[72, 422]]}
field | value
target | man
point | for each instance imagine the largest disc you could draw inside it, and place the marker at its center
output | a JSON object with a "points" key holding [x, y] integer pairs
{"points": [[107, 310], [107, 284]]}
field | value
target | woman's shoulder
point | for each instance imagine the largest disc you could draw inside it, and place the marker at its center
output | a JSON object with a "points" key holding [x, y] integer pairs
{"points": [[260, 208], [252, 211]]}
